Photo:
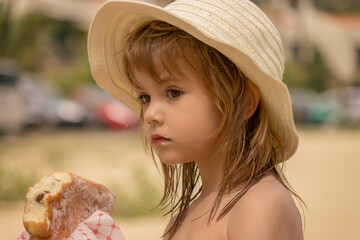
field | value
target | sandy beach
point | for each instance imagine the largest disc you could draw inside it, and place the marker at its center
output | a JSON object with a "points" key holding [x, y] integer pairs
{"points": [[324, 172]]}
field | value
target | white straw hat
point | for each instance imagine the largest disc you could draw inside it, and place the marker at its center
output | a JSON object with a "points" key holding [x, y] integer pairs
{"points": [[236, 28]]}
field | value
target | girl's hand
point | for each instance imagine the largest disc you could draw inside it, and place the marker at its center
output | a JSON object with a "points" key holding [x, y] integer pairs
{"points": [[99, 226]]}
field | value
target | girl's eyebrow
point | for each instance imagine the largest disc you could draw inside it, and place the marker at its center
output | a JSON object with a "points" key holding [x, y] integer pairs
{"points": [[169, 79], [161, 81]]}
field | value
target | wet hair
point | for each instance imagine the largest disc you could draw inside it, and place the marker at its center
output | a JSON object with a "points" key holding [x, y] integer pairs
{"points": [[252, 148]]}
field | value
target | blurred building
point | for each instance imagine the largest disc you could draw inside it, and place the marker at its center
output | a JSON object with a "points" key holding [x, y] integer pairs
{"points": [[335, 35]]}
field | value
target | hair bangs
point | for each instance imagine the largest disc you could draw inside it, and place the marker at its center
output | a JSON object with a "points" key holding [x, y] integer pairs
{"points": [[153, 48]]}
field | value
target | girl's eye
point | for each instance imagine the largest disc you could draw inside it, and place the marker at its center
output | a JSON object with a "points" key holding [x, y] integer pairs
{"points": [[174, 93], [144, 99]]}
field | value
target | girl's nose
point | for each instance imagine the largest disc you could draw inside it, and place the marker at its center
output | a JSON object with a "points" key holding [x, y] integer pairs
{"points": [[153, 114]]}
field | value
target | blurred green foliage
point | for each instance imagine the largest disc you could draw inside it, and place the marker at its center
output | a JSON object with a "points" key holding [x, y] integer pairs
{"points": [[19, 37], [77, 74], [14, 185], [338, 5], [312, 74], [319, 73], [45, 45]]}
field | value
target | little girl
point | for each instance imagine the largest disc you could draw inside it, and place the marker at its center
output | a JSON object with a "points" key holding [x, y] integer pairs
{"points": [[205, 77]]}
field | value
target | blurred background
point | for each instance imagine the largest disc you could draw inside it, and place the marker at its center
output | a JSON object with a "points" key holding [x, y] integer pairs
{"points": [[53, 116]]}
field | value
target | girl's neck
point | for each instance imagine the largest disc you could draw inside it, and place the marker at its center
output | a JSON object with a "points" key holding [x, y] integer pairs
{"points": [[210, 172]]}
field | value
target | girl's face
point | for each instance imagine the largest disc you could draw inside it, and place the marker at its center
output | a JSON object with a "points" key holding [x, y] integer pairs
{"points": [[179, 115]]}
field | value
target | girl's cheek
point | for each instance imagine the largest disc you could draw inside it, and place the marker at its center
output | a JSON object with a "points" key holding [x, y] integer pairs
{"points": [[146, 131]]}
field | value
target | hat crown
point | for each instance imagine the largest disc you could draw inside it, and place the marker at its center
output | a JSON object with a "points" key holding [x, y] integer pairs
{"points": [[238, 23]]}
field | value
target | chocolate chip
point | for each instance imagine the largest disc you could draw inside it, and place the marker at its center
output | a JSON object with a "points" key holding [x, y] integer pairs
{"points": [[40, 197]]}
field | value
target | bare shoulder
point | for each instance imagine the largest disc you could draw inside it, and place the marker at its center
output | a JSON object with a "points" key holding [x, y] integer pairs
{"points": [[266, 211]]}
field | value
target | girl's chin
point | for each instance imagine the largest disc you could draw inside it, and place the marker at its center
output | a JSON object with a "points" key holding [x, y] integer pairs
{"points": [[172, 157], [172, 161]]}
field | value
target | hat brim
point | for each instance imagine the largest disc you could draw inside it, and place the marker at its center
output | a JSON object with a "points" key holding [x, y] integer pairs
{"points": [[114, 20]]}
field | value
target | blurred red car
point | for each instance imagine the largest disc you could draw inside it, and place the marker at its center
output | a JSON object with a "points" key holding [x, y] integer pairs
{"points": [[116, 115], [105, 109]]}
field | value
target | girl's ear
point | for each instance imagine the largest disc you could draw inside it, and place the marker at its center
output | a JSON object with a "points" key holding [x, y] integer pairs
{"points": [[253, 100]]}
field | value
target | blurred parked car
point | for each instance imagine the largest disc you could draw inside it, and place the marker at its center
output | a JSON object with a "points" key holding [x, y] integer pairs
{"points": [[338, 105], [301, 103], [106, 110], [46, 106], [116, 115], [28, 99], [11, 105]]}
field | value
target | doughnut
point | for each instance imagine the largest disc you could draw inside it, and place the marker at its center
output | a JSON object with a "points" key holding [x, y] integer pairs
{"points": [[58, 203]]}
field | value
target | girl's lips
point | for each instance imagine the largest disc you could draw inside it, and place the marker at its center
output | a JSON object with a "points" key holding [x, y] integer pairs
{"points": [[158, 140]]}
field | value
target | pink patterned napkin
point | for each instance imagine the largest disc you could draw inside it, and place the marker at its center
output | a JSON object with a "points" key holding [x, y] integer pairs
{"points": [[99, 226]]}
